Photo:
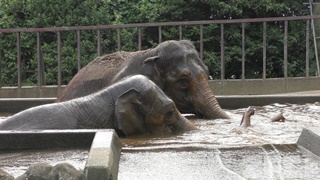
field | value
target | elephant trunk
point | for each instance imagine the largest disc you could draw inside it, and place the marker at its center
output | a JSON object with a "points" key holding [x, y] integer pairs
{"points": [[206, 103], [182, 124]]}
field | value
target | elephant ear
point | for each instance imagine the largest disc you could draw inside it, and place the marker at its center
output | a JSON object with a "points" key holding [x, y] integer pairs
{"points": [[128, 117], [150, 69]]}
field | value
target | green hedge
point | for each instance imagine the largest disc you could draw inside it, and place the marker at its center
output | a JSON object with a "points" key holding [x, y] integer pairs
{"points": [[58, 13]]}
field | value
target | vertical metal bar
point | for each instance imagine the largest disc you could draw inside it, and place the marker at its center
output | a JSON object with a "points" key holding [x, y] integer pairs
{"points": [[19, 59], [222, 68], [39, 60], [285, 50], [243, 51], [79, 49], [307, 47], [119, 39], [99, 43], [264, 75], [59, 59], [180, 32], [139, 38], [160, 34], [201, 42], [314, 39], [0, 61]]}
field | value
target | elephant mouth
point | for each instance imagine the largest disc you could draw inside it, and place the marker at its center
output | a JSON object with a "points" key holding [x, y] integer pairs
{"points": [[199, 114], [187, 109]]}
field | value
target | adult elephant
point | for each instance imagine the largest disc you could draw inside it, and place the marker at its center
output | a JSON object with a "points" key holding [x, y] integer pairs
{"points": [[132, 106], [174, 66]]}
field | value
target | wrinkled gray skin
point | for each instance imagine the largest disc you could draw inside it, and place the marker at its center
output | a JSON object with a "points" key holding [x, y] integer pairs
{"points": [[134, 105], [174, 66]]}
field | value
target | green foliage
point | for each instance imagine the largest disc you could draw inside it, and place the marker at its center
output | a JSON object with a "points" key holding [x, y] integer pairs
{"points": [[70, 13]]}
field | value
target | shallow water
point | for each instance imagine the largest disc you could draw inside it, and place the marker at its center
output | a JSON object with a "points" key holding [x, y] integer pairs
{"points": [[220, 149], [16, 163]]}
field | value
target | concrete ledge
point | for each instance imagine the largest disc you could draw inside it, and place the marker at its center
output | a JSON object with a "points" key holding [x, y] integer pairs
{"points": [[31, 91], [264, 86], [310, 139], [219, 87], [243, 101], [14, 105], [46, 139], [104, 157]]}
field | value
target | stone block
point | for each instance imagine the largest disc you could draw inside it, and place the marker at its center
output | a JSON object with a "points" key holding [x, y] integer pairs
{"points": [[310, 139]]}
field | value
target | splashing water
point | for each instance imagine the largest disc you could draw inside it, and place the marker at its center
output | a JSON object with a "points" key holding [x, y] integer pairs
{"points": [[220, 149]]}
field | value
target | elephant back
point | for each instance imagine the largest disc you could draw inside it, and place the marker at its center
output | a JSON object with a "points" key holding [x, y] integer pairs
{"points": [[94, 76]]}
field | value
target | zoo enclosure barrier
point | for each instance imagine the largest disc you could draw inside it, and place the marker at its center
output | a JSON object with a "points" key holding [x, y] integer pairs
{"points": [[201, 24]]}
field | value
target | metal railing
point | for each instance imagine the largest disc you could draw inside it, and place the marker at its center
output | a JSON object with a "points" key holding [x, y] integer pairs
{"points": [[201, 24]]}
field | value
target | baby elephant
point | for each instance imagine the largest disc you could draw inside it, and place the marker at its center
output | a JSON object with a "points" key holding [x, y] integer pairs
{"points": [[134, 105]]}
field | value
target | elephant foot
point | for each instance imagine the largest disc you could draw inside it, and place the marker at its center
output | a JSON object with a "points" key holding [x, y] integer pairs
{"points": [[246, 121], [278, 118]]}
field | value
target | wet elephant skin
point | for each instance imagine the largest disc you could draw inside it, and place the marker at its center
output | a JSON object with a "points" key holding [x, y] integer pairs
{"points": [[132, 106], [174, 66]]}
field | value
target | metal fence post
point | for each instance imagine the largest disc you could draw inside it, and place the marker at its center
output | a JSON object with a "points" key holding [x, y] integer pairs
{"points": [[180, 32], [99, 43], [264, 76], [0, 61], [201, 42], [243, 51], [79, 49], [160, 34], [119, 39], [307, 47], [59, 59], [285, 50], [139, 39], [40, 66], [222, 52], [19, 59]]}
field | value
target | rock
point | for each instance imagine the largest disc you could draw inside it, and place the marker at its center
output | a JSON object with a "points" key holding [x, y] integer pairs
{"points": [[37, 171], [65, 171], [4, 175]]}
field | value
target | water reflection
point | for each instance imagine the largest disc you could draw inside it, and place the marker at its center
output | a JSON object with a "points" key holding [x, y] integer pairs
{"points": [[223, 150]]}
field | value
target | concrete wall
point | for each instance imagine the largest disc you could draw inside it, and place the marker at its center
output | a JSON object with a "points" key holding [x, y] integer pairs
{"points": [[264, 86], [219, 87], [30, 92]]}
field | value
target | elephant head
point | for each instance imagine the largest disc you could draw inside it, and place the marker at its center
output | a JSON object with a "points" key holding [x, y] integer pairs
{"points": [[178, 70], [149, 110]]}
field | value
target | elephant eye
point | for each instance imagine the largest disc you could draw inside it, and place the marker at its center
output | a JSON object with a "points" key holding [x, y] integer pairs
{"points": [[183, 83], [170, 113]]}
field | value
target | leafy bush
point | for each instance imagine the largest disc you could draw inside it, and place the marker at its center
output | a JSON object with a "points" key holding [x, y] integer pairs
{"points": [[58, 13]]}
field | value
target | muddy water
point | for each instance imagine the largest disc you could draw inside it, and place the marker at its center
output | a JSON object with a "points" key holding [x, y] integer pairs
{"points": [[220, 149]]}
